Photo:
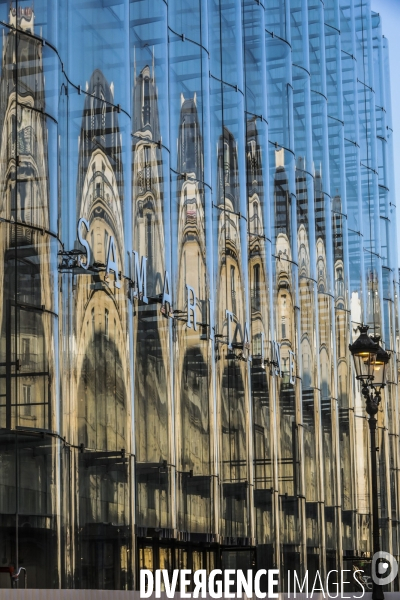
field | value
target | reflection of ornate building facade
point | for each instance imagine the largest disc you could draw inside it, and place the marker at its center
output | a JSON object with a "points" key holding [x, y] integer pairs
{"points": [[152, 383], [193, 377], [101, 410], [28, 324], [231, 377], [176, 389]]}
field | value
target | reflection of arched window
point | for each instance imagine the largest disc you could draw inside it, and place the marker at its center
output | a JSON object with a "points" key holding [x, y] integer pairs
{"points": [[226, 163], [147, 167], [146, 102], [256, 287], [339, 284], [255, 218], [252, 160], [233, 289], [149, 239], [319, 200], [12, 136], [339, 337], [92, 113], [228, 177], [283, 317], [337, 235], [102, 109], [282, 202]]}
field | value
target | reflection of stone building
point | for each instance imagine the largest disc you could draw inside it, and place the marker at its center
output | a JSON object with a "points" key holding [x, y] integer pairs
{"points": [[325, 345], [27, 351], [342, 330], [341, 301], [309, 373], [288, 472], [231, 375], [102, 380], [323, 286], [192, 385], [261, 343], [151, 331], [307, 303]]}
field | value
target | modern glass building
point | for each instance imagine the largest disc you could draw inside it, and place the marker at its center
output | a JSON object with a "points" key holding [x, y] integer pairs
{"points": [[197, 211]]}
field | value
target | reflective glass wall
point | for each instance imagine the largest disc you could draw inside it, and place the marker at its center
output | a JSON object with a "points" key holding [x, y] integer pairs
{"points": [[197, 212]]}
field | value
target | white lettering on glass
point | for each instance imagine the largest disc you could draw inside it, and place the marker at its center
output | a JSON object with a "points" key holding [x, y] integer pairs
{"points": [[84, 243], [140, 275], [191, 307], [112, 264], [276, 357], [166, 297], [229, 316]]}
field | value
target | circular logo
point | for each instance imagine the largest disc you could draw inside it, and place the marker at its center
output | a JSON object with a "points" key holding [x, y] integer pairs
{"points": [[384, 568]]}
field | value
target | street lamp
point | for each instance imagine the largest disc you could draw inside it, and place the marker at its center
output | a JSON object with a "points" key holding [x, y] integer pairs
{"points": [[380, 367], [364, 351], [370, 361]]}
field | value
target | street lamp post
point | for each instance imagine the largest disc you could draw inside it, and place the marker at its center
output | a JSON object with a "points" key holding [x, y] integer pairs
{"points": [[370, 361]]}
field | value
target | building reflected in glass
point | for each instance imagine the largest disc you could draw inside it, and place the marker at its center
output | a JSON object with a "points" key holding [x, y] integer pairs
{"points": [[197, 212]]}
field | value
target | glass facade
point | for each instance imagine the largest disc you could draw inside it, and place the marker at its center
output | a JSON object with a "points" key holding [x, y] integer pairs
{"points": [[197, 211]]}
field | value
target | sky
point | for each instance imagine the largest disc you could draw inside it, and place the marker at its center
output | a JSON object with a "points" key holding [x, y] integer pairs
{"points": [[390, 13]]}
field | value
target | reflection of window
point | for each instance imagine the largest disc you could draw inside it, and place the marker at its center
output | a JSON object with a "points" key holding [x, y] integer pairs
{"points": [[106, 315], [105, 245], [257, 344], [26, 389], [252, 160], [227, 163], [339, 337], [98, 190], [233, 291], [149, 238], [27, 335], [256, 287], [26, 350], [147, 167], [103, 117], [283, 320], [26, 397], [255, 218], [234, 442], [146, 102]]}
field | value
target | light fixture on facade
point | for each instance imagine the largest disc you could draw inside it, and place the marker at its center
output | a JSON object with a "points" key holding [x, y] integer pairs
{"points": [[364, 352], [380, 366]]}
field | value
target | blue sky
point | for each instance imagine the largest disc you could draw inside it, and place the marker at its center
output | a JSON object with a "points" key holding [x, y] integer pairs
{"points": [[390, 13]]}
